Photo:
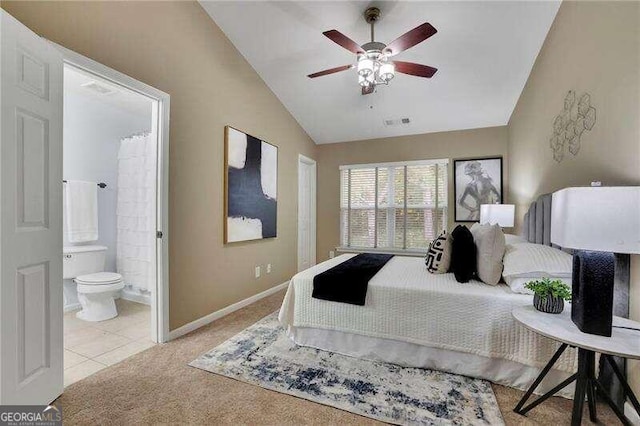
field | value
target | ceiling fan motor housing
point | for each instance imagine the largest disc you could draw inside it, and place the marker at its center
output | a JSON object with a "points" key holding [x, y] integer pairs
{"points": [[372, 14], [373, 46]]}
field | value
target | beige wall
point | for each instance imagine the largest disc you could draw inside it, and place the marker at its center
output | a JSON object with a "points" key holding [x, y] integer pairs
{"points": [[592, 47], [459, 144], [177, 48]]}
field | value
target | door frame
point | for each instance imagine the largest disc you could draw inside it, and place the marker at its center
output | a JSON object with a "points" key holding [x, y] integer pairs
{"points": [[303, 160], [160, 297]]}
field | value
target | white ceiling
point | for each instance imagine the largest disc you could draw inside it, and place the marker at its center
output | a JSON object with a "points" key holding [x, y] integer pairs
{"points": [[483, 50], [118, 97]]}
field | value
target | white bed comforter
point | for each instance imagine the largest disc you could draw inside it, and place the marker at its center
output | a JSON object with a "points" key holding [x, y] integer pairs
{"points": [[405, 302]]}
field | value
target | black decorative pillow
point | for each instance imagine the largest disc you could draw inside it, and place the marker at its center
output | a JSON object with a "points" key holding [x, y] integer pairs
{"points": [[438, 257], [463, 254]]}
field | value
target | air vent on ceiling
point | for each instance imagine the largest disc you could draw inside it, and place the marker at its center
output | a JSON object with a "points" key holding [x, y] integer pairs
{"points": [[397, 122], [97, 87]]}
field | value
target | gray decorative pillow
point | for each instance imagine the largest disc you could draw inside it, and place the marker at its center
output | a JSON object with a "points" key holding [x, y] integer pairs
{"points": [[491, 245], [438, 257]]}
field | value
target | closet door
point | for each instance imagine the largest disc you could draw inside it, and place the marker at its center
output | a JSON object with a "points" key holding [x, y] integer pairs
{"points": [[306, 213], [31, 347]]}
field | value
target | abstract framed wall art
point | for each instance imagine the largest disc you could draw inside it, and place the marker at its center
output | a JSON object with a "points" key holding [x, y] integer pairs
{"points": [[476, 181], [251, 186]]}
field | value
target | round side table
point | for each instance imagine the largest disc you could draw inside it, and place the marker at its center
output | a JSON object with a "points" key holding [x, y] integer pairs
{"points": [[624, 342]]}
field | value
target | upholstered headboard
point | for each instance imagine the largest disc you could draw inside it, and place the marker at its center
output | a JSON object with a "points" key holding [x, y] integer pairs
{"points": [[536, 227]]}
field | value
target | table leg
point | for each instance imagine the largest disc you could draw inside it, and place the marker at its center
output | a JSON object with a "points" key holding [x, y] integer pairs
{"points": [[612, 404], [520, 409], [627, 389], [582, 382], [547, 395], [591, 387], [591, 399]]}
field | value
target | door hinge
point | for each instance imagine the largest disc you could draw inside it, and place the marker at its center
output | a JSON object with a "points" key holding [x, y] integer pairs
{"points": [[158, 234]]}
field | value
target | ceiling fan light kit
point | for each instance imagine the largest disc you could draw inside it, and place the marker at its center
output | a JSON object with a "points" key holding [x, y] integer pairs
{"points": [[374, 68], [373, 65]]}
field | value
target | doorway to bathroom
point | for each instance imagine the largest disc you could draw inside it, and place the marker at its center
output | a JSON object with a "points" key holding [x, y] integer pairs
{"points": [[31, 127], [114, 204]]}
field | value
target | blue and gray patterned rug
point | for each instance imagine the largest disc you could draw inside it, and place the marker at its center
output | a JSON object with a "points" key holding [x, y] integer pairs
{"points": [[264, 356]]}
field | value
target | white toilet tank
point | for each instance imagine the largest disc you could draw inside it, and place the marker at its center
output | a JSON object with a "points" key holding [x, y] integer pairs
{"points": [[82, 260]]}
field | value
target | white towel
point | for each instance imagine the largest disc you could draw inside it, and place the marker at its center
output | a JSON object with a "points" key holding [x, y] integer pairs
{"points": [[81, 211]]}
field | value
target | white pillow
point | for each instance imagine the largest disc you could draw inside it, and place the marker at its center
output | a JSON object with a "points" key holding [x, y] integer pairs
{"points": [[514, 239], [517, 284], [490, 246], [534, 261]]}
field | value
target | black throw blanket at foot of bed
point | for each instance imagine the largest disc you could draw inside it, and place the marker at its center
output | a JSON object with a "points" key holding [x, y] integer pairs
{"points": [[348, 281]]}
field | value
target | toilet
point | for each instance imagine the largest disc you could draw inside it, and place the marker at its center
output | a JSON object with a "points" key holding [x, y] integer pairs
{"points": [[96, 288]]}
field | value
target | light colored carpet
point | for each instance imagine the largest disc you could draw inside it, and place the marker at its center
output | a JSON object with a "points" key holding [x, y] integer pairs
{"points": [[263, 355], [158, 386]]}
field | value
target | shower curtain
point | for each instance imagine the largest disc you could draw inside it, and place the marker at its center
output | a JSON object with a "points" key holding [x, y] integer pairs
{"points": [[136, 212]]}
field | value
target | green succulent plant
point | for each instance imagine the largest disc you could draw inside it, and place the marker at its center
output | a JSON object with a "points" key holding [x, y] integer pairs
{"points": [[547, 287]]}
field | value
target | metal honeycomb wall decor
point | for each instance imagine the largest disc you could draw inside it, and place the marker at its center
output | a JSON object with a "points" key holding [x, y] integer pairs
{"points": [[572, 122]]}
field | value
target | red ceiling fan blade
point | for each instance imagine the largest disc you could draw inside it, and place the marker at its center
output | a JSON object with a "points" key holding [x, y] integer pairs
{"points": [[344, 41], [415, 69], [330, 71], [410, 39], [366, 90]]}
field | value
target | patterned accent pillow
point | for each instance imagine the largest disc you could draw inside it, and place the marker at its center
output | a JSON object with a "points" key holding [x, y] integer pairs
{"points": [[438, 257]]}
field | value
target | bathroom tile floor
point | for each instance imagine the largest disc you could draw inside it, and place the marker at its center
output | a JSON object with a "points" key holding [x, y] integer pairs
{"points": [[91, 346]]}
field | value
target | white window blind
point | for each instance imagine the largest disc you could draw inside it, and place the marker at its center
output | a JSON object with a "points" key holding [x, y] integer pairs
{"points": [[394, 206]]}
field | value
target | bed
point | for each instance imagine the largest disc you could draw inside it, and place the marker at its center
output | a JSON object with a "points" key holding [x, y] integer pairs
{"points": [[417, 319]]}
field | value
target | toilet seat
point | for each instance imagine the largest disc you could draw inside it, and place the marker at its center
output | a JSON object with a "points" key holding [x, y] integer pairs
{"points": [[99, 282], [103, 288], [99, 279]]}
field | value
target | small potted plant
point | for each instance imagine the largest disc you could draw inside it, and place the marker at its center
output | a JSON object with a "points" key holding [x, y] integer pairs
{"points": [[549, 295]]}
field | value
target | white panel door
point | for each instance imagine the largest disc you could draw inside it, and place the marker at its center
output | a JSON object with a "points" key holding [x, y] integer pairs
{"points": [[31, 216], [306, 213]]}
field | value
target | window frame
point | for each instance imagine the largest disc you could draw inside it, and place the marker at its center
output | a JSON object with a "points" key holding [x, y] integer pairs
{"points": [[391, 205]]}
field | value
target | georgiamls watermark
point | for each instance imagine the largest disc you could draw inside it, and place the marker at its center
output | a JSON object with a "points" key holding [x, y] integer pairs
{"points": [[30, 415]]}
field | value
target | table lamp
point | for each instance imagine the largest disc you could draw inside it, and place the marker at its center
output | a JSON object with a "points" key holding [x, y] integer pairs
{"points": [[592, 220], [500, 214]]}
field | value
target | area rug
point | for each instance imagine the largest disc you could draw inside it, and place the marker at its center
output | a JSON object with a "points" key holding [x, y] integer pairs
{"points": [[264, 356]]}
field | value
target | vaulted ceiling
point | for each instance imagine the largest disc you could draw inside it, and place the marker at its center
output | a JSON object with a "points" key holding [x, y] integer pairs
{"points": [[484, 52]]}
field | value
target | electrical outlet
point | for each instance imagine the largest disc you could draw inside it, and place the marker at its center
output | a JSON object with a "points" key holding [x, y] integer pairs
{"points": [[257, 272], [332, 254], [268, 268]]}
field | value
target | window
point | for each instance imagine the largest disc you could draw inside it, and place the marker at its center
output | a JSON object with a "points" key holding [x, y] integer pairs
{"points": [[393, 206]]}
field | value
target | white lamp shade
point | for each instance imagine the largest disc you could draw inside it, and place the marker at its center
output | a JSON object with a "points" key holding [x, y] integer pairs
{"points": [[387, 71], [365, 67], [597, 218], [500, 214]]}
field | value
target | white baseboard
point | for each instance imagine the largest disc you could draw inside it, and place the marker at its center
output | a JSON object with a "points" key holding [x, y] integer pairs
{"points": [[133, 296], [187, 328], [72, 307], [631, 414]]}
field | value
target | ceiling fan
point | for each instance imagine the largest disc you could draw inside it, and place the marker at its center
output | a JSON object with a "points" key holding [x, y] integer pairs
{"points": [[373, 64]]}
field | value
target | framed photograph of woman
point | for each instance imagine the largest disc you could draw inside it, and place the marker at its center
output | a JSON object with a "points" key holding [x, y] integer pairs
{"points": [[476, 181]]}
